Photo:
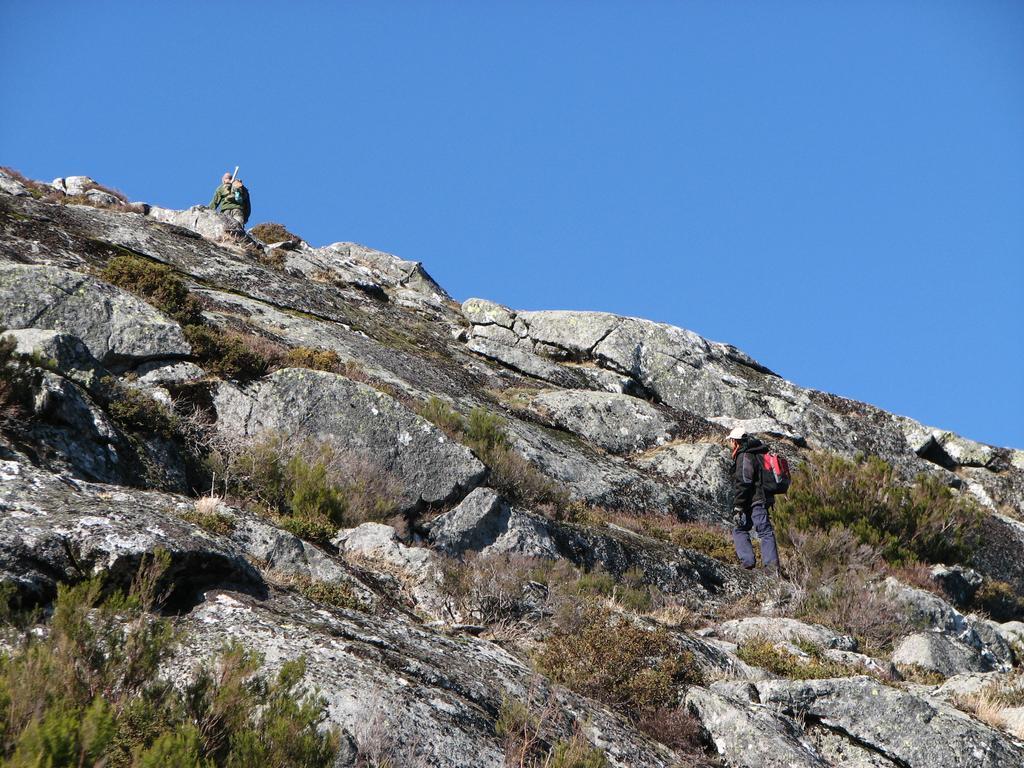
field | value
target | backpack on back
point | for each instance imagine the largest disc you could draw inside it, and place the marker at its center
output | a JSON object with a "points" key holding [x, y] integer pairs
{"points": [[775, 477]]}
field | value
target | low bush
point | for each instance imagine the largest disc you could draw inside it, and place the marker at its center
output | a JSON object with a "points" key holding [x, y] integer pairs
{"points": [[312, 489], [36, 189], [314, 358], [484, 433], [605, 656], [89, 691], [927, 521], [525, 730], [271, 232], [337, 594], [15, 385], [137, 411], [999, 600], [208, 516], [230, 354], [156, 283], [763, 653]]}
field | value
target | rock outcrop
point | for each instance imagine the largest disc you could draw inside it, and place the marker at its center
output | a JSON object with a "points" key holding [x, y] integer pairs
{"points": [[618, 421]]}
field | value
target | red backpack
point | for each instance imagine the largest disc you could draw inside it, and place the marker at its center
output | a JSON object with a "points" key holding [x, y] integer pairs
{"points": [[775, 477]]}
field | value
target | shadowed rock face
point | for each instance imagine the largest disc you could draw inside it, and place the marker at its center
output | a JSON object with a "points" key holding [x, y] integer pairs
{"points": [[618, 412]]}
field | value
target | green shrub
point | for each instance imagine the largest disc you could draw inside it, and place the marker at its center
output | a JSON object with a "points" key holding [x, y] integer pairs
{"points": [[136, 411], [762, 653], [334, 593], [523, 730], [88, 691], [606, 657], [484, 433], [926, 521], [272, 232], [314, 359], [710, 540], [630, 590], [230, 354], [156, 283], [311, 489], [217, 523]]}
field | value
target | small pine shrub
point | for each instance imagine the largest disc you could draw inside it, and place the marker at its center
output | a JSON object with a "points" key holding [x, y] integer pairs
{"points": [[272, 232], [334, 593], [484, 433], [156, 283], [136, 411], [310, 489], [926, 522]]}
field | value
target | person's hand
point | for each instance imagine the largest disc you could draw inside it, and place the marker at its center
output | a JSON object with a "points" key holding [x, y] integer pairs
{"points": [[236, 184]]}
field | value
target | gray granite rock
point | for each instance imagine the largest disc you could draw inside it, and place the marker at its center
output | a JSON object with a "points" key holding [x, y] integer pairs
{"points": [[116, 326], [326, 406], [485, 523], [908, 729], [940, 653]]}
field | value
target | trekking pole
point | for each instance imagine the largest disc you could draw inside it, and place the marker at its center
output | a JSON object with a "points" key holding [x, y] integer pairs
{"points": [[233, 175]]}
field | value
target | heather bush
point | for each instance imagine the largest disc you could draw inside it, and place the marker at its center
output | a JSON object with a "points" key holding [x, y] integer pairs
{"points": [[230, 354], [525, 729], [607, 657], [313, 358], [15, 384], [926, 521], [312, 489], [156, 283], [272, 232], [759, 652], [89, 691]]}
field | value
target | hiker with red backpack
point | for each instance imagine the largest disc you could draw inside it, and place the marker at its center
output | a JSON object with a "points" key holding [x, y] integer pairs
{"points": [[757, 476]]}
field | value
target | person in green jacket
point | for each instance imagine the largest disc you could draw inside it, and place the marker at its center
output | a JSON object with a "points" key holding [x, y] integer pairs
{"points": [[233, 199]]}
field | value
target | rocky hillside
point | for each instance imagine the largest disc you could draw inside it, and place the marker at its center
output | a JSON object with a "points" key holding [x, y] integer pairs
{"points": [[426, 534]]}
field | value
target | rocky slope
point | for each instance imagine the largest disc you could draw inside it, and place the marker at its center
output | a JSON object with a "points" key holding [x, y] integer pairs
{"points": [[606, 422]]}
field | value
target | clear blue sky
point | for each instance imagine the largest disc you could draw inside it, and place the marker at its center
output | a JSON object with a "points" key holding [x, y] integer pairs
{"points": [[835, 187]]}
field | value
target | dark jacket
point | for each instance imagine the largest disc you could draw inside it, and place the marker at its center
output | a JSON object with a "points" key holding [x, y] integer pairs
{"points": [[746, 476]]}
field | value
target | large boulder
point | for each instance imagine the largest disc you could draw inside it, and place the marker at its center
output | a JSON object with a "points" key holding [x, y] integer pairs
{"points": [[484, 522], [751, 736], [199, 219], [321, 406], [117, 328], [615, 422], [910, 730], [66, 353], [940, 653], [781, 630]]}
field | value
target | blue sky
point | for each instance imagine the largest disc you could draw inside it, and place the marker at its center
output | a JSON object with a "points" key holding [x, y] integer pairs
{"points": [[836, 188]]}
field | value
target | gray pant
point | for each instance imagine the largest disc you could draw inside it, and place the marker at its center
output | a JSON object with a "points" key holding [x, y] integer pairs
{"points": [[237, 215], [757, 518]]}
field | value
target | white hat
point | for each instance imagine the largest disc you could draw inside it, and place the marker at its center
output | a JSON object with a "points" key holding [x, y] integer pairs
{"points": [[738, 433]]}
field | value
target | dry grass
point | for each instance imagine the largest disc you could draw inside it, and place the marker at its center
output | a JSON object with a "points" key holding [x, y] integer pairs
{"points": [[993, 704]]}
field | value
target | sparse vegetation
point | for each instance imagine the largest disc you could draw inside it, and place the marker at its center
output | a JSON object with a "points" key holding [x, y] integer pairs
{"points": [[763, 653], [89, 691], [156, 283], [137, 411], [999, 600], [484, 433], [337, 594], [314, 358], [271, 232], [311, 489], [208, 515], [524, 729], [15, 384]]}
